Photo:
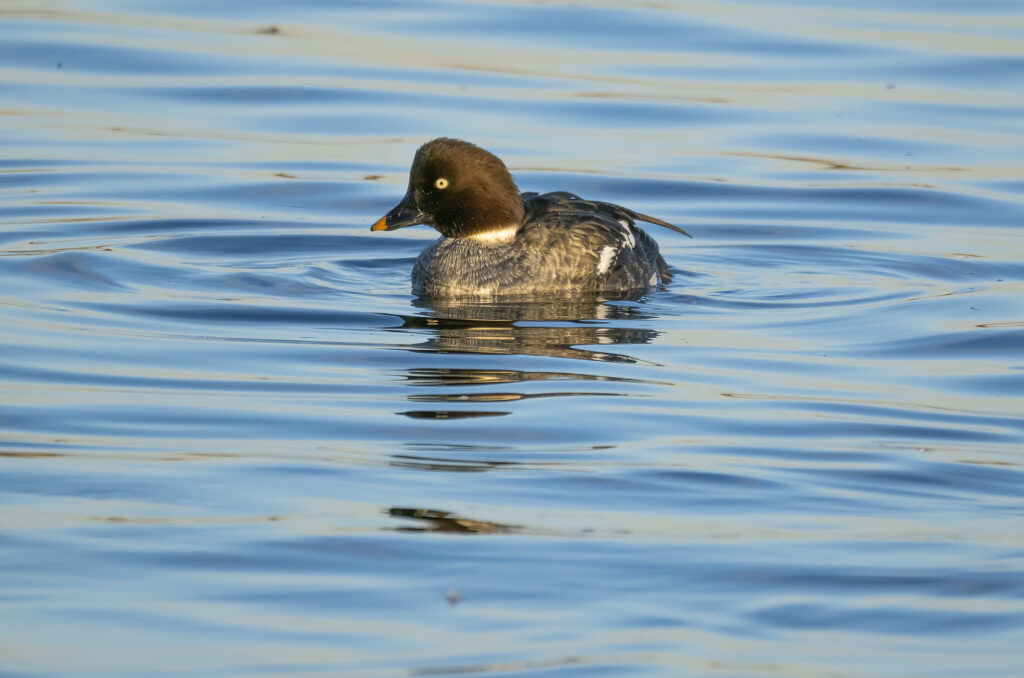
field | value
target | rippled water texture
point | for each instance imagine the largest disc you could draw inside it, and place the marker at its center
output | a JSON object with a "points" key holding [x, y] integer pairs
{"points": [[234, 445]]}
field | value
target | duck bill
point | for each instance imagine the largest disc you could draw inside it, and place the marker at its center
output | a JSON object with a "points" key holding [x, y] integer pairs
{"points": [[401, 215]]}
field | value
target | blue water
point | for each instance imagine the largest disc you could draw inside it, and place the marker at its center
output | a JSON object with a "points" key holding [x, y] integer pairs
{"points": [[233, 444]]}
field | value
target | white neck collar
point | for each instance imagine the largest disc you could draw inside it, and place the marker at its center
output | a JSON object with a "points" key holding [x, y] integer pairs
{"points": [[497, 236]]}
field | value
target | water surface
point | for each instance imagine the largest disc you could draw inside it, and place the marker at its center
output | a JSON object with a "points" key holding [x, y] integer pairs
{"points": [[233, 444]]}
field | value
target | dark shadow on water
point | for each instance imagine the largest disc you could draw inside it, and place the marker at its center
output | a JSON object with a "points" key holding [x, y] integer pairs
{"points": [[472, 464], [451, 414], [578, 309], [499, 397], [445, 376], [551, 328], [431, 377], [430, 520], [560, 328]]}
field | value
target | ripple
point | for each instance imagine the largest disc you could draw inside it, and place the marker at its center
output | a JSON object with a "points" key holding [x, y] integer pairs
{"points": [[219, 393]]}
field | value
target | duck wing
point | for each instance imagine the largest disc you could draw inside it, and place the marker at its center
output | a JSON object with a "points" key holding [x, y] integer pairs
{"points": [[537, 204]]}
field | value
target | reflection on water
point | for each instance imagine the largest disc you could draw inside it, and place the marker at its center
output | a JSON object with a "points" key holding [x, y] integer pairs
{"points": [[471, 377], [554, 328], [621, 307], [453, 414], [429, 376], [428, 520], [232, 445]]}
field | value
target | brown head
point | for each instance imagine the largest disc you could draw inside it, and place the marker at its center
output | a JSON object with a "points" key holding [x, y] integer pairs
{"points": [[459, 189]]}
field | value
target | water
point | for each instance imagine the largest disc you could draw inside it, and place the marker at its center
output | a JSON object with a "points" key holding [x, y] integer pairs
{"points": [[234, 445]]}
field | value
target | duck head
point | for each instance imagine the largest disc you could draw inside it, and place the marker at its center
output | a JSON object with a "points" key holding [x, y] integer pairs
{"points": [[459, 189]]}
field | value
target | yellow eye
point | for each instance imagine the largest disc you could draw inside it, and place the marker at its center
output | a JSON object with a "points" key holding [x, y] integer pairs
{"points": [[441, 183]]}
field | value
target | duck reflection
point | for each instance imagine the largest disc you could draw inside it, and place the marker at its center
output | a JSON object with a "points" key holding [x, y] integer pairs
{"points": [[552, 328], [430, 520], [475, 377], [454, 458], [469, 376], [556, 329]]}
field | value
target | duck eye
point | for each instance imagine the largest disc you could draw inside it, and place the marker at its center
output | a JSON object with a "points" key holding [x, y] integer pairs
{"points": [[441, 183]]}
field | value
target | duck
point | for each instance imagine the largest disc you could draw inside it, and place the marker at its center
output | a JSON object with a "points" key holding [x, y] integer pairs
{"points": [[499, 243]]}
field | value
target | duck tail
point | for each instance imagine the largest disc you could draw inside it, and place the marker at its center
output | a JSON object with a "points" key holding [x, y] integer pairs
{"points": [[659, 222]]}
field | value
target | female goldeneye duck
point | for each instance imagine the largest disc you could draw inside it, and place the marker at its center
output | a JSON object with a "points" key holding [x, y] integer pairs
{"points": [[496, 242]]}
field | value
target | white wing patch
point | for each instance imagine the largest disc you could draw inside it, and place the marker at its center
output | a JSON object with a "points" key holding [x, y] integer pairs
{"points": [[607, 254], [627, 229]]}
